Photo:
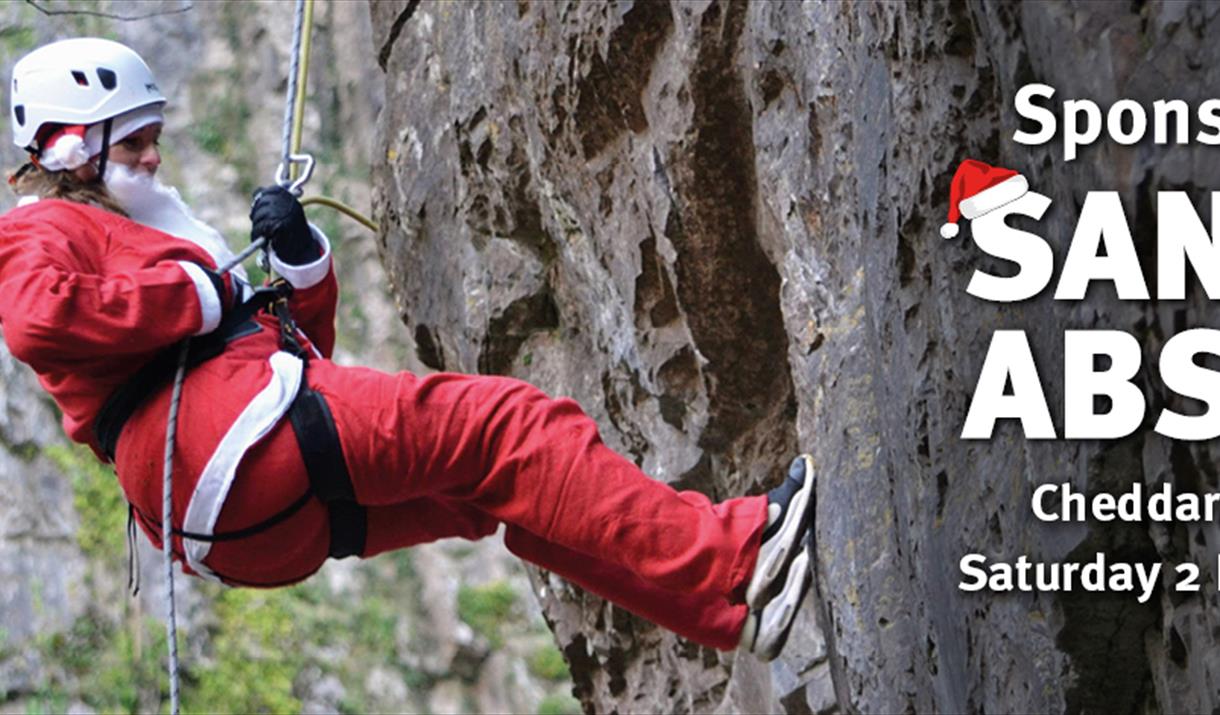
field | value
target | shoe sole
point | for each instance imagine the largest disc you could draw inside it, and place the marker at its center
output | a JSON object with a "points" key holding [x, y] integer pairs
{"points": [[775, 626], [788, 541]]}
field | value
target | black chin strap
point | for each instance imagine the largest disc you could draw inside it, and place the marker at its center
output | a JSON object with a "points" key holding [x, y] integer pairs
{"points": [[105, 156]]}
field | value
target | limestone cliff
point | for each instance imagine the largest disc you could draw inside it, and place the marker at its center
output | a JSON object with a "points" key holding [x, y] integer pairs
{"points": [[714, 224]]}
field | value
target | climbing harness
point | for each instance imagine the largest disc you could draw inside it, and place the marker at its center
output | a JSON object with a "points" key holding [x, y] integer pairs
{"points": [[312, 424], [122, 403]]}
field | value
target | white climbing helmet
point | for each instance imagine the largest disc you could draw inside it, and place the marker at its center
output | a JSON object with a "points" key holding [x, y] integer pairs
{"points": [[84, 80]]}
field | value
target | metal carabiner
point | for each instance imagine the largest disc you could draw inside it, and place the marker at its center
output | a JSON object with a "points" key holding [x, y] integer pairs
{"points": [[283, 174], [283, 177]]}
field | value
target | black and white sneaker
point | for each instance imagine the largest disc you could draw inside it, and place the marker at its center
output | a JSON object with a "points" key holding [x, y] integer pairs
{"points": [[790, 508], [766, 629]]}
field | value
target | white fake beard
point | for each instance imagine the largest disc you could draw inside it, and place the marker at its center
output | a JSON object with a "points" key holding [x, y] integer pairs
{"points": [[154, 204]]}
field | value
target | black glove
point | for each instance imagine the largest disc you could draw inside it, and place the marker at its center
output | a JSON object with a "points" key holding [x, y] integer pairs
{"points": [[276, 214]]}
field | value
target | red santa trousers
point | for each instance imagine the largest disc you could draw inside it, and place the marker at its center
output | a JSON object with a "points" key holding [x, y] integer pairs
{"points": [[456, 455]]}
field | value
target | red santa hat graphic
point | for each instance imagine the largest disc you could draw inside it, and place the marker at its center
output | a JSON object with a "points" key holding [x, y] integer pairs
{"points": [[979, 188]]}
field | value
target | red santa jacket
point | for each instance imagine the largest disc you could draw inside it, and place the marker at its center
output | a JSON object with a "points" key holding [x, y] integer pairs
{"points": [[87, 297]]}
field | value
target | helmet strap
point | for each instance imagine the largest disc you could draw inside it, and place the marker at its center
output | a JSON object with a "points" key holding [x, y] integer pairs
{"points": [[25, 169], [105, 155]]}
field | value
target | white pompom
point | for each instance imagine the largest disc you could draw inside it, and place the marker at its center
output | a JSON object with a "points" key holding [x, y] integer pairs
{"points": [[68, 152], [948, 230]]}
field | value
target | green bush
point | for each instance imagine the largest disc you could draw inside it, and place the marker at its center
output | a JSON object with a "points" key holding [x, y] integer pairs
{"points": [[110, 668], [17, 39], [99, 501], [559, 704], [486, 608], [256, 653], [548, 663]]}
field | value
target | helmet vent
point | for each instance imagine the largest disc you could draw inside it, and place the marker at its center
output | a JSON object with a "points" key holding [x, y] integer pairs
{"points": [[107, 77], [19, 111], [80, 78]]}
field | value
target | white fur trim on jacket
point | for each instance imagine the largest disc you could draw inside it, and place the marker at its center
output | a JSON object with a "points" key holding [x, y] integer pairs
{"points": [[209, 301], [309, 274], [991, 199], [254, 422]]}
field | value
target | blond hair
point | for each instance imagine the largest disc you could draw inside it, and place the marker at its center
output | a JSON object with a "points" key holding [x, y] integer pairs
{"points": [[33, 180]]}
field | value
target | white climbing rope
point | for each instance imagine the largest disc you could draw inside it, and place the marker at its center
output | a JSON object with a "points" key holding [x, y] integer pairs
{"points": [[298, 20], [284, 177], [167, 495], [294, 104], [167, 525]]}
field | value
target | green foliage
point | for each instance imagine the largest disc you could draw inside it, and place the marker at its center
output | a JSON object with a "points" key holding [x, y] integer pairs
{"points": [[100, 504], [257, 644], [373, 625], [209, 135], [221, 129], [133, 665], [547, 662], [485, 608], [17, 39], [559, 704], [263, 640], [47, 702], [110, 668], [25, 451], [257, 650]]}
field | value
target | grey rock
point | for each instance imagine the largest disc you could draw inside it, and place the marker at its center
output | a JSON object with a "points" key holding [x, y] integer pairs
{"points": [[448, 697], [715, 226], [323, 695]]}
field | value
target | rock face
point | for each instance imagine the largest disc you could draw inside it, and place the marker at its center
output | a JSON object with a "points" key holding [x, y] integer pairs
{"points": [[40, 564], [714, 224]]}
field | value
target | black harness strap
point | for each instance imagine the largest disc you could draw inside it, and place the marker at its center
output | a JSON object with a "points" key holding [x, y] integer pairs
{"points": [[154, 526], [156, 529], [328, 476], [159, 372], [105, 157]]}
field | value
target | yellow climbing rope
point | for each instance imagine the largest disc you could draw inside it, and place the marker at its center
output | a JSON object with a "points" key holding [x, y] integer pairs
{"points": [[298, 103], [341, 208], [298, 121]]}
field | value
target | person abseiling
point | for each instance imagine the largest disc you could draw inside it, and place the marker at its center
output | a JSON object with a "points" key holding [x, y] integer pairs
{"points": [[284, 458]]}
